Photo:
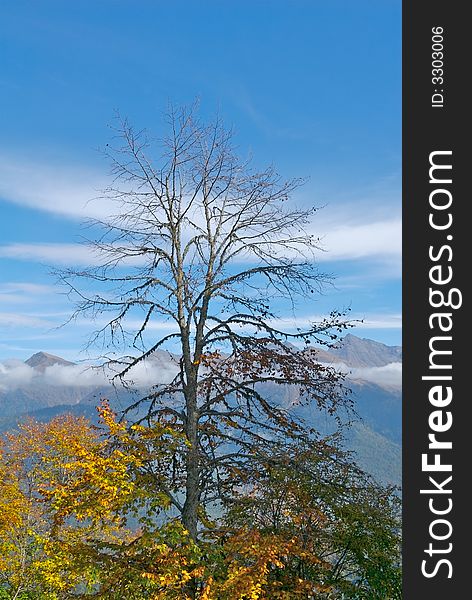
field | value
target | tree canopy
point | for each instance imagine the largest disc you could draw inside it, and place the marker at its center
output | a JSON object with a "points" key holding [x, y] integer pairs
{"points": [[205, 247]]}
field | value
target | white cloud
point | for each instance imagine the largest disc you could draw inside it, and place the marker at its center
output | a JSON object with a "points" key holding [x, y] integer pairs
{"points": [[60, 190], [15, 373], [369, 321], [19, 320], [134, 325], [366, 276], [52, 254], [388, 376], [150, 372], [385, 321], [15, 293], [26, 287], [377, 240], [64, 254], [352, 231]]}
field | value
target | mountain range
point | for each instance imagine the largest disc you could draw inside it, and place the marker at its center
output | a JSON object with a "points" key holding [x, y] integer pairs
{"points": [[46, 385]]}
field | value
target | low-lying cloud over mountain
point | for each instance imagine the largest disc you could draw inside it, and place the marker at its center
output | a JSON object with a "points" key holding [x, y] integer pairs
{"points": [[361, 359], [365, 360], [45, 385], [387, 376], [50, 370]]}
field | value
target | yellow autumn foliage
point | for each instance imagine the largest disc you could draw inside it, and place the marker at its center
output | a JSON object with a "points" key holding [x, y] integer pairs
{"points": [[79, 515]]}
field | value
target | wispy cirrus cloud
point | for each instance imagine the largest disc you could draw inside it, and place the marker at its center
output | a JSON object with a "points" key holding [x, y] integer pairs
{"points": [[379, 241], [25, 287], [359, 320], [347, 232], [15, 320], [60, 189], [388, 321], [374, 240], [52, 253], [15, 293]]}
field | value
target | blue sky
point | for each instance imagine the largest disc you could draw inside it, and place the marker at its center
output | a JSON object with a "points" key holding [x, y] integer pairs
{"points": [[313, 87]]}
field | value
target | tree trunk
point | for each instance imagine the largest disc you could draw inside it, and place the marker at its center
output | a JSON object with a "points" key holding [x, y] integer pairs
{"points": [[192, 484]]}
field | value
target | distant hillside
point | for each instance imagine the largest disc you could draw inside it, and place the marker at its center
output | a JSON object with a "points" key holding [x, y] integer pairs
{"points": [[376, 454]]}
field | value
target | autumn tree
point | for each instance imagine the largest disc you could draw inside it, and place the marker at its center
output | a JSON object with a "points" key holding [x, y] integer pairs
{"points": [[205, 247], [343, 527], [82, 517], [62, 485]]}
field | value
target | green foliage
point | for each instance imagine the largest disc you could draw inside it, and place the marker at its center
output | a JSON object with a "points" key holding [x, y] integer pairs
{"points": [[316, 495]]}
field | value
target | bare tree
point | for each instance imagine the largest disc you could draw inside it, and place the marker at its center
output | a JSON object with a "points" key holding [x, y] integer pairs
{"points": [[208, 245]]}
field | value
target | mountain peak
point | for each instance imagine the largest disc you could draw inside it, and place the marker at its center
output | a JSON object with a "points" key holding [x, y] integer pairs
{"points": [[363, 352], [41, 360]]}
